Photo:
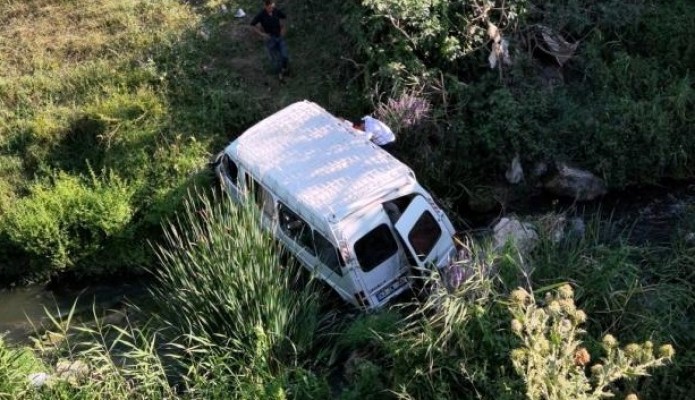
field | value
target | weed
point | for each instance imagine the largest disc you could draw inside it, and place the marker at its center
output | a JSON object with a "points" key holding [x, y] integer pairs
{"points": [[552, 360]]}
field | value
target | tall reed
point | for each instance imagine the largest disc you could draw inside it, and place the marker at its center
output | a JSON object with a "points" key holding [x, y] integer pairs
{"points": [[224, 284]]}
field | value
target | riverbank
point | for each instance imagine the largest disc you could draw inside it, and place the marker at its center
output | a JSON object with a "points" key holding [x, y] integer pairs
{"points": [[653, 216], [214, 338]]}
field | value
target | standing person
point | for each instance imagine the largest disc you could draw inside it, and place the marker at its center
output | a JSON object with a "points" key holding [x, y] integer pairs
{"points": [[270, 24], [378, 132]]}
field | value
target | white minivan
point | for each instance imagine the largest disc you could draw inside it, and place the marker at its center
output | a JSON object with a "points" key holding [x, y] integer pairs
{"points": [[350, 212]]}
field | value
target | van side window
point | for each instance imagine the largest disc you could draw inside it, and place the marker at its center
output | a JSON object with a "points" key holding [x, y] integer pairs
{"points": [[424, 235], [231, 169], [295, 227], [327, 253], [261, 196], [375, 247]]}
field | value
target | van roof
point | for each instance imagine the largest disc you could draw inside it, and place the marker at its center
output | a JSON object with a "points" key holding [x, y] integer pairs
{"points": [[318, 163]]}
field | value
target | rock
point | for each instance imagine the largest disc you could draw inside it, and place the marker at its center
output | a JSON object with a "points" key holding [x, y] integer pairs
{"points": [[69, 370], [38, 379], [515, 173], [558, 227], [510, 229], [690, 238], [575, 183]]}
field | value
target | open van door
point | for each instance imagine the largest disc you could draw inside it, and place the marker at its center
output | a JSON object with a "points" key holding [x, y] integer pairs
{"points": [[422, 230]]}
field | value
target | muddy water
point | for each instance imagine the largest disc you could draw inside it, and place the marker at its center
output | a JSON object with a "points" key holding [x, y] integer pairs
{"points": [[25, 310], [18, 307]]}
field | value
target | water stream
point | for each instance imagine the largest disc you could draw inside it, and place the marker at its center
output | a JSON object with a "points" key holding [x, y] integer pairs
{"points": [[652, 214], [23, 311]]}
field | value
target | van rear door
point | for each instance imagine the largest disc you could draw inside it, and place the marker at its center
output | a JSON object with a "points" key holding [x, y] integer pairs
{"points": [[424, 233]]}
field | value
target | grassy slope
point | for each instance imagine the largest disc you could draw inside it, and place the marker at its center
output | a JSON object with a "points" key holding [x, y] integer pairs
{"points": [[136, 95]]}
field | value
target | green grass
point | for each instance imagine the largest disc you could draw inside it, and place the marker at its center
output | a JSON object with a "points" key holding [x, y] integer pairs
{"points": [[138, 91], [231, 317]]}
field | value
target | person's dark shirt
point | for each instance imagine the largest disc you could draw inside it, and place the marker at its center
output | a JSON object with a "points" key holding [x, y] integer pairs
{"points": [[270, 23]]}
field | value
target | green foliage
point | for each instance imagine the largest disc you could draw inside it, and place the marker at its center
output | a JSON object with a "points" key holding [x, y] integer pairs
{"points": [[635, 291], [617, 107], [223, 284], [233, 321], [147, 90], [15, 366], [452, 342], [413, 36], [240, 325], [124, 92], [10, 171], [69, 218]]}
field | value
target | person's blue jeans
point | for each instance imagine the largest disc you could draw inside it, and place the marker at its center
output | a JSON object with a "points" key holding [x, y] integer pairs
{"points": [[277, 49]]}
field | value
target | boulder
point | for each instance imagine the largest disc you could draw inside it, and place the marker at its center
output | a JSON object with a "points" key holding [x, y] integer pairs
{"points": [[558, 227], [512, 230], [71, 370], [574, 182]]}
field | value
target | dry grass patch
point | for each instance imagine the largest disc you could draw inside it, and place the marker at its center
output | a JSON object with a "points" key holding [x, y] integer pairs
{"points": [[51, 35]]}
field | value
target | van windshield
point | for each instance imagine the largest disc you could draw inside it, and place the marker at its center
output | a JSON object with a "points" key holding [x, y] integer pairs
{"points": [[375, 247]]}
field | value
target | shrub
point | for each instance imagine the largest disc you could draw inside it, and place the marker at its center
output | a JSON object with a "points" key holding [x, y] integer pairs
{"points": [[68, 218], [616, 107], [453, 343], [635, 291]]}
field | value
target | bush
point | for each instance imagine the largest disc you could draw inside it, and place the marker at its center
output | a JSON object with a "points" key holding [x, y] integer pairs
{"points": [[636, 291], [68, 218], [616, 107], [452, 343]]}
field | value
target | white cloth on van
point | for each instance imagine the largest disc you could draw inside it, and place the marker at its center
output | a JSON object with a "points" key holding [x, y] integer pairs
{"points": [[377, 131]]}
